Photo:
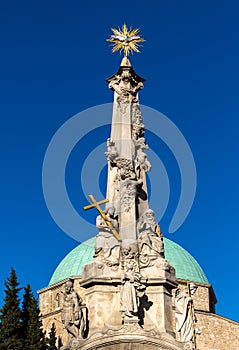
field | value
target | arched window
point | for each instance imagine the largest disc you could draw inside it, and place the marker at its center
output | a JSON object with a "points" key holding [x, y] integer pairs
{"points": [[58, 300]]}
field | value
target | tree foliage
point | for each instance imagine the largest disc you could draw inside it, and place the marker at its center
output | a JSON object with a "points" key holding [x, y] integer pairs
{"points": [[10, 316], [33, 336], [20, 329]]}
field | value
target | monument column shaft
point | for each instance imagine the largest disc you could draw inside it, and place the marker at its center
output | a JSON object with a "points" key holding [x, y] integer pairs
{"points": [[121, 133]]}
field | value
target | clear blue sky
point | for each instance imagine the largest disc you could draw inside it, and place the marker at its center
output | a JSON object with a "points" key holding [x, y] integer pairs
{"points": [[53, 64]]}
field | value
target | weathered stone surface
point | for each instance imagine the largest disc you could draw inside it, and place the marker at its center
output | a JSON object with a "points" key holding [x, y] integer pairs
{"points": [[134, 340], [217, 332]]}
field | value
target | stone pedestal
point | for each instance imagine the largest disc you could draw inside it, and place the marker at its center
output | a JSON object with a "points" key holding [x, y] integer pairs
{"points": [[102, 297]]}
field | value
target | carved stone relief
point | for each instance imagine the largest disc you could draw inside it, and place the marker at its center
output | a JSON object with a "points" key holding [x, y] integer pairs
{"points": [[128, 193], [131, 290], [150, 243], [72, 315], [112, 152], [137, 123], [185, 314], [126, 87], [141, 160], [107, 247]]}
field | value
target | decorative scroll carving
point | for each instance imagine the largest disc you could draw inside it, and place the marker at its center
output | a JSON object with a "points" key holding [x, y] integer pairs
{"points": [[150, 243], [126, 85], [72, 315], [141, 157], [131, 290], [112, 152], [107, 247], [185, 314]]}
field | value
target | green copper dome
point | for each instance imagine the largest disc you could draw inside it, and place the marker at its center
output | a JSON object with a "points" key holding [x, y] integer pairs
{"points": [[186, 266]]}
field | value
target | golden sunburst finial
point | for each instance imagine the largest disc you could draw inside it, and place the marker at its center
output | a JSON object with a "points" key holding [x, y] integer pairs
{"points": [[126, 40]]}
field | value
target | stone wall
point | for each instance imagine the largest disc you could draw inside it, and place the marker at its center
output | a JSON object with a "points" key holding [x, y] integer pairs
{"points": [[217, 332]]}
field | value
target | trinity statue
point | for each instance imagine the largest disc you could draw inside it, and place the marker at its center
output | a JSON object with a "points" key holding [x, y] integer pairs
{"points": [[128, 283], [121, 296]]}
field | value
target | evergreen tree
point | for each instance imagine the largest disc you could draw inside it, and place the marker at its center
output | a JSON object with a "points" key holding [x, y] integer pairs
{"points": [[10, 316], [34, 338]]}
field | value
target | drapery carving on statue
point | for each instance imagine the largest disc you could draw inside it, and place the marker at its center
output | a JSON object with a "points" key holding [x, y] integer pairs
{"points": [[150, 243], [141, 160], [72, 315], [128, 193], [131, 290], [185, 314], [126, 87], [112, 152], [107, 247]]}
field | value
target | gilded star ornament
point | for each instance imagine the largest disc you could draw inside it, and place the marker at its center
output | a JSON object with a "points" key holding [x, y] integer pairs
{"points": [[125, 39]]}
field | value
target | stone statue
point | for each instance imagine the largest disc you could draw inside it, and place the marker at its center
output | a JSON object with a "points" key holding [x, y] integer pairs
{"points": [[141, 157], [131, 290], [72, 316], [128, 193], [138, 128], [150, 243], [112, 152], [184, 313], [107, 247]]}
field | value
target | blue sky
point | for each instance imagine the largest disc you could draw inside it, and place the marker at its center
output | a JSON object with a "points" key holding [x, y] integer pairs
{"points": [[53, 64]]}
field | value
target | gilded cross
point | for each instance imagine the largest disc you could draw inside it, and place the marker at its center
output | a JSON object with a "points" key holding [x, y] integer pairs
{"points": [[96, 205]]}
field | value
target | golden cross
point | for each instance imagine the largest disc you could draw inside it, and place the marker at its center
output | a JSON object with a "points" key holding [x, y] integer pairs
{"points": [[159, 232], [96, 205]]}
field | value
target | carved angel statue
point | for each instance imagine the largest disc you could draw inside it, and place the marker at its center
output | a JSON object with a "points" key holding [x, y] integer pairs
{"points": [[131, 290], [185, 314], [72, 315]]}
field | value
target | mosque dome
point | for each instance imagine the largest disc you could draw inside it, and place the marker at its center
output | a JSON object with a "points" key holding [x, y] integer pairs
{"points": [[184, 263]]}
